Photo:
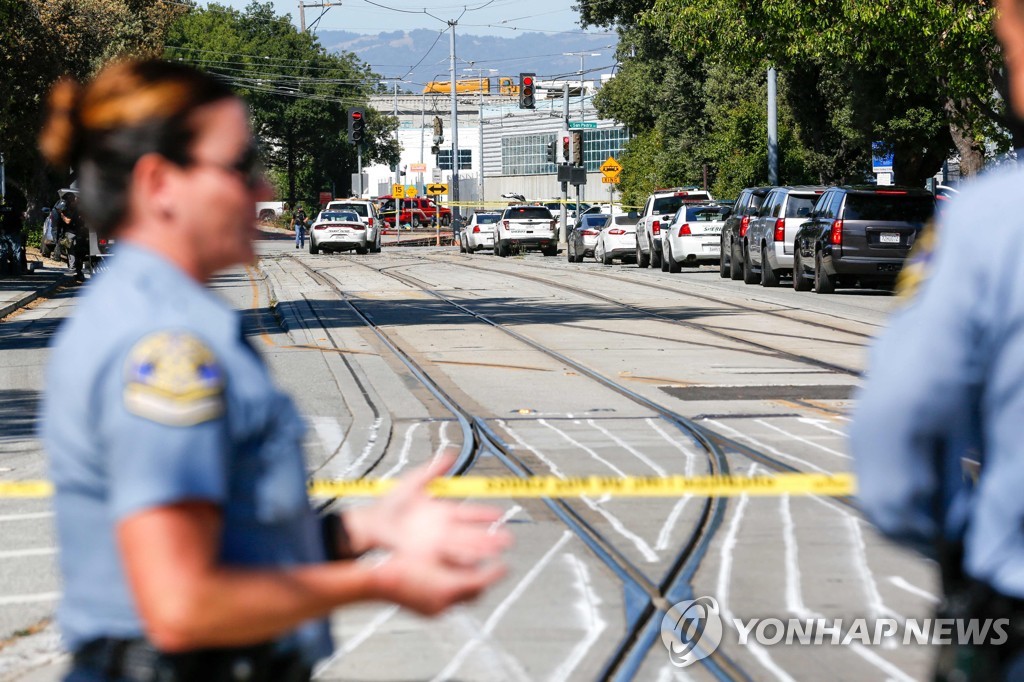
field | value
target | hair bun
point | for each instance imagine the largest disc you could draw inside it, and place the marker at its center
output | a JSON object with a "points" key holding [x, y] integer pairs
{"points": [[59, 139]]}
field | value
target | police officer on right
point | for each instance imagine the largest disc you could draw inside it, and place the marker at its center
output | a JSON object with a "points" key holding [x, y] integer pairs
{"points": [[946, 385]]}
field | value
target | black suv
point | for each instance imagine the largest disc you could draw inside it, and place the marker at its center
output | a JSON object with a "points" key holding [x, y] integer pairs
{"points": [[858, 234], [735, 229]]}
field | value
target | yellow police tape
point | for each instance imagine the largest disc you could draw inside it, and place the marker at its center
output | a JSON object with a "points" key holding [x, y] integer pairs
{"points": [[827, 485]]}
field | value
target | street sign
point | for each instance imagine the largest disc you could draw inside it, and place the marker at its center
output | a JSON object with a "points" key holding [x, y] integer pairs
{"points": [[437, 188], [417, 168], [881, 159], [611, 168], [581, 125], [614, 180], [411, 191], [398, 191], [435, 175]]}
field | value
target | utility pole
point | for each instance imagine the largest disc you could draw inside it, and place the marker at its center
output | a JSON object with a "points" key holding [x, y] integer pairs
{"points": [[480, 123], [3, 180], [564, 230], [581, 55], [773, 130], [303, 6], [453, 189], [398, 168]]}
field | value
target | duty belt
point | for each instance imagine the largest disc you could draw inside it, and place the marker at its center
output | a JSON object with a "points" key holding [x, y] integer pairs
{"points": [[137, 660]]}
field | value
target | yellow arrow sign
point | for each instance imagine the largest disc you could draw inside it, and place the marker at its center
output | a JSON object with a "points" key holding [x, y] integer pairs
{"points": [[437, 188], [611, 168]]}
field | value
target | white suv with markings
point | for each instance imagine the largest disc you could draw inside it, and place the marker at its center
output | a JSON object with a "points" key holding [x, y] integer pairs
{"points": [[367, 212], [657, 214], [525, 227]]}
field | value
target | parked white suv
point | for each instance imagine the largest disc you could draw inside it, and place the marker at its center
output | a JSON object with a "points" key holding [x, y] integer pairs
{"points": [[367, 212], [657, 214], [525, 227], [768, 245]]}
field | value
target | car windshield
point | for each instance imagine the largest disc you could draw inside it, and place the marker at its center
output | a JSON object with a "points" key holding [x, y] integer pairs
{"points": [[704, 214], [897, 207], [355, 208], [527, 213], [663, 205], [594, 221], [800, 206], [339, 217], [486, 218]]}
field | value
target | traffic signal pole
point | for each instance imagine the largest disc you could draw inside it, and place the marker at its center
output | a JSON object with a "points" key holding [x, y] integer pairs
{"points": [[453, 189], [563, 236]]}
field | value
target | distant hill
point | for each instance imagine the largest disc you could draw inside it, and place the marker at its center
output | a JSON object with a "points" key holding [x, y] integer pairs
{"points": [[392, 54]]}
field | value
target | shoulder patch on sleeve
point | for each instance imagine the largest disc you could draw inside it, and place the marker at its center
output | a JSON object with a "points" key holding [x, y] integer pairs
{"points": [[918, 266], [173, 378]]}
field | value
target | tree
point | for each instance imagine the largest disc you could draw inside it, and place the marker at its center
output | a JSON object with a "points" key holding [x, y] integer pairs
{"points": [[298, 93]]}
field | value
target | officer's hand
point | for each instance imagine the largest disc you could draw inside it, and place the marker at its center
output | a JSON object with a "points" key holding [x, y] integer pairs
{"points": [[428, 585], [410, 522]]}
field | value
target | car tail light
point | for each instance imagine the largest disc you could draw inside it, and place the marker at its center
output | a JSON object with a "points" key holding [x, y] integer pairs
{"points": [[656, 227], [476, 229], [837, 233], [889, 191], [616, 231], [505, 222], [369, 221], [590, 233], [319, 227], [682, 194], [103, 242], [553, 224], [684, 229], [780, 230], [744, 225]]}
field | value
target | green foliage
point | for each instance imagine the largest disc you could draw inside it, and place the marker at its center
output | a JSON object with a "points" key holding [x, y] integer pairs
{"points": [[298, 94]]}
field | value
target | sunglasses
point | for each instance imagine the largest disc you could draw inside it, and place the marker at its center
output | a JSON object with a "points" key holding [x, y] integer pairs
{"points": [[248, 166]]}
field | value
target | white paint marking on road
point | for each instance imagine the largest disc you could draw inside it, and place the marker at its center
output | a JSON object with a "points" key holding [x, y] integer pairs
{"points": [[19, 553], [629, 448], [794, 597], [499, 612], [443, 438], [906, 586], [353, 643], [587, 605], [788, 434], [822, 424], [330, 433], [26, 517], [30, 598], [649, 554], [367, 449], [667, 674], [403, 456], [581, 446], [665, 534], [505, 518], [764, 446], [867, 578], [726, 554]]}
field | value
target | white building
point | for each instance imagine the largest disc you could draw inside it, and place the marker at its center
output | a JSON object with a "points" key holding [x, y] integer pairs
{"points": [[511, 148]]}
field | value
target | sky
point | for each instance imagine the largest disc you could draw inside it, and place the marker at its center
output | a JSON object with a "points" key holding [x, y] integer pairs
{"points": [[497, 17]]}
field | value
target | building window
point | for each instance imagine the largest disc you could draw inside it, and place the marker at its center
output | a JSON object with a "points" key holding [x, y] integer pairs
{"points": [[444, 159], [527, 154]]}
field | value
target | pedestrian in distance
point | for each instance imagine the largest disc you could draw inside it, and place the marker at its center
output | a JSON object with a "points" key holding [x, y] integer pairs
{"points": [[946, 386], [299, 225], [188, 547]]}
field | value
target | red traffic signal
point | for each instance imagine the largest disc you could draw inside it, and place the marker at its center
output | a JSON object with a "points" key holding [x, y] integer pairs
{"points": [[526, 95], [528, 81], [356, 125]]}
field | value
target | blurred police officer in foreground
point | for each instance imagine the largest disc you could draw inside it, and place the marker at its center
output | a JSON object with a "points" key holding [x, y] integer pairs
{"points": [[946, 383], [187, 544]]}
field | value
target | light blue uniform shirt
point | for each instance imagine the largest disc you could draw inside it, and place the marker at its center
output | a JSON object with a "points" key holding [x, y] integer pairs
{"points": [[946, 381], [154, 397]]}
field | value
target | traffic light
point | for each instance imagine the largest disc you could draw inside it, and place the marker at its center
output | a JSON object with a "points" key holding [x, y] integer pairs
{"points": [[356, 125], [553, 151], [526, 90], [566, 152], [576, 148]]}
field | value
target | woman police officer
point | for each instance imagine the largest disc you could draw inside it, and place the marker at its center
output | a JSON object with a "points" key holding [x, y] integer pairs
{"points": [[188, 547]]}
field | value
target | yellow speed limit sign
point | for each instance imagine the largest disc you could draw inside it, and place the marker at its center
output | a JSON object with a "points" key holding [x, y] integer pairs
{"points": [[398, 191]]}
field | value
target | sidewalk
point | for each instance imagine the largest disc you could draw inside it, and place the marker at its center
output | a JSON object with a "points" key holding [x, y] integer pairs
{"points": [[18, 292]]}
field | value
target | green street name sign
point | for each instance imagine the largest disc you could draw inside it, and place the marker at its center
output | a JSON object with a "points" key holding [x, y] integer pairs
{"points": [[576, 125]]}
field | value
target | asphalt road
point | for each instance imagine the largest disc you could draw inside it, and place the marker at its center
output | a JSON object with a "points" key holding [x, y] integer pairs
{"points": [[771, 369]]}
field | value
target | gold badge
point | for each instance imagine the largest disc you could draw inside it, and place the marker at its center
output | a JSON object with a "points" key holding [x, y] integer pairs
{"points": [[173, 378], [919, 264]]}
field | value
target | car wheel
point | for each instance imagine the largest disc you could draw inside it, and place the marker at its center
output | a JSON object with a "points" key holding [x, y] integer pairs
{"points": [[313, 248], [655, 257], [673, 266], [735, 261], [569, 255], [749, 276], [642, 261], [605, 258], [446, 221], [415, 222], [503, 248], [823, 284], [664, 259], [769, 278], [362, 250], [723, 266], [800, 282], [550, 251]]}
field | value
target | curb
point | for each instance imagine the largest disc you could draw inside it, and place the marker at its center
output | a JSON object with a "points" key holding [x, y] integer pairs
{"points": [[32, 296]]}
